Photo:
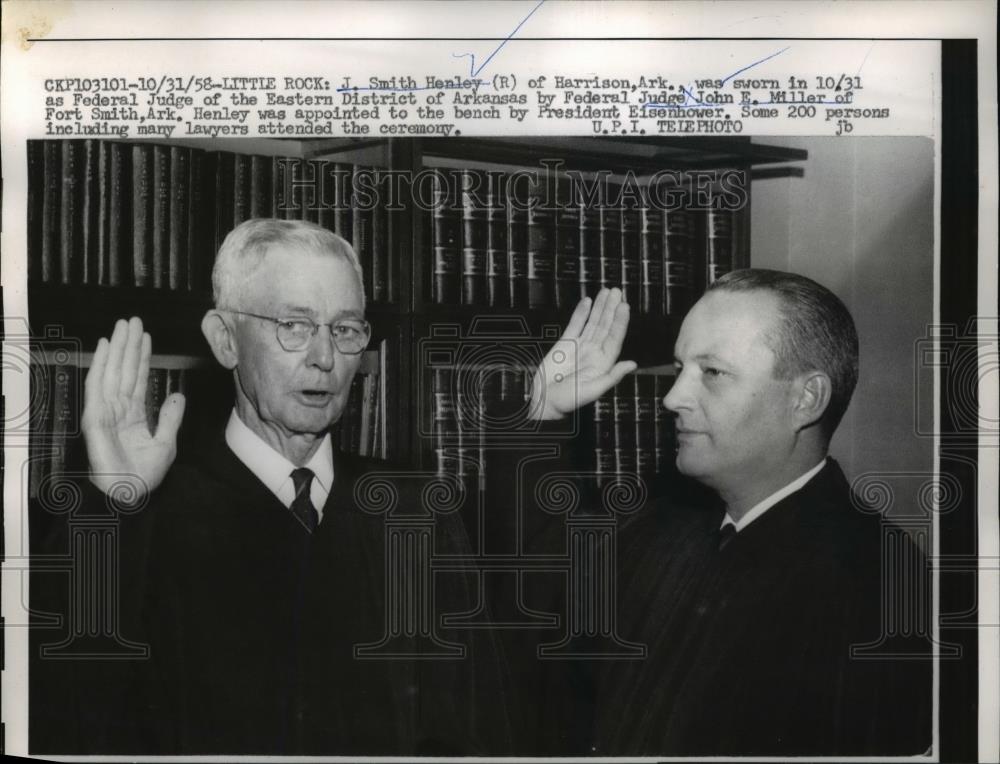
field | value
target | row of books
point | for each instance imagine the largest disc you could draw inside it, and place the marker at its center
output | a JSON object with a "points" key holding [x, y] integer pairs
{"points": [[112, 213], [628, 431], [57, 398], [550, 250]]}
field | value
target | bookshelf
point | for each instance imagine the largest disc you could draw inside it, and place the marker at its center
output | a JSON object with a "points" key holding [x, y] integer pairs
{"points": [[127, 228]]}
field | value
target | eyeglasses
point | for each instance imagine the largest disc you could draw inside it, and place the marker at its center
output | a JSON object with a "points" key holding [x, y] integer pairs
{"points": [[350, 335]]}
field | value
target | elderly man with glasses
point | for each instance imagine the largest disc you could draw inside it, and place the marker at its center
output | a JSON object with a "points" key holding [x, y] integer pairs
{"points": [[262, 573]]}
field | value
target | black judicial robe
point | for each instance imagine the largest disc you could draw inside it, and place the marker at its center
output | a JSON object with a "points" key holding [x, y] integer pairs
{"points": [[749, 646], [252, 623]]}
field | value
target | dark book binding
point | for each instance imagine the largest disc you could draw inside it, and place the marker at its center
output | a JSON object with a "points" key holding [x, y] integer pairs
{"points": [[70, 214], [142, 215], [162, 192], [446, 241], [180, 200]]}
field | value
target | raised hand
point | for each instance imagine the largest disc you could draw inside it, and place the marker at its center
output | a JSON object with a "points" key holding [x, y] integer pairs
{"points": [[583, 364], [120, 447]]}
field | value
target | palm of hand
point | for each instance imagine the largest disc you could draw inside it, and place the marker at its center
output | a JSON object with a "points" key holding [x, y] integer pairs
{"points": [[583, 364], [126, 460]]}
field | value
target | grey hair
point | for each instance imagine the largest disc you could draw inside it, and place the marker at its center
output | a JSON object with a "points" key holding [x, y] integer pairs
{"points": [[244, 248], [815, 333]]}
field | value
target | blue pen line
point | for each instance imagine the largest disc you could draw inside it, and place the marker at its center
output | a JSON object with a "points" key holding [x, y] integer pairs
{"points": [[354, 88], [750, 66], [689, 96], [473, 72]]}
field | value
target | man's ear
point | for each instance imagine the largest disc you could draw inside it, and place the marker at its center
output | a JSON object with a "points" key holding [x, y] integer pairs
{"points": [[813, 391], [221, 338]]}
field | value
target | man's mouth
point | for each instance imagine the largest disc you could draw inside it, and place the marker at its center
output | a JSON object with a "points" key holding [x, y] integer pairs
{"points": [[315, 397]]}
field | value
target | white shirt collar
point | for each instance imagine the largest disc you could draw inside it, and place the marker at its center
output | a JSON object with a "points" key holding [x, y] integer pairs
{"points": [[274, 470], [761, 507]]}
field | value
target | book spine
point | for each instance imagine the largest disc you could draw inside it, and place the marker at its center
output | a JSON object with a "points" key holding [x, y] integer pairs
{"points": [[590, 245], [567, 246], [678, 261], [604, 444], [63, 416], [36, 213], [326, 193], [285, 193], [663, 442], [611, 239], [651, 261], [380, 289], [517, 252], [91, 220], [261, 202], [200, 216], [446, 242], [383, 400], [120, 240], [180, 199], [142, 214], [224, 196], [475, 198], [541, 246], [624, 426], [355, 405], [161, 216], [361, 216], [644, 392], [104, 213], [444, 422], [52, 165], [497, 286], [70, 209], [242, 189], [741, 237], [307, 175], [630, 254], [718, 244], [156, 393], [343, 180]]}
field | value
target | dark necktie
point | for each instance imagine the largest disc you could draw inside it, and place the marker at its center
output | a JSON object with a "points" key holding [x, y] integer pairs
{"points": [[726, 534], [302, 506]]}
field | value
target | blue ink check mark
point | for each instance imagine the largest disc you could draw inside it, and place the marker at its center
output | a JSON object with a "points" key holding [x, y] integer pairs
{"points": [[473, 69]]}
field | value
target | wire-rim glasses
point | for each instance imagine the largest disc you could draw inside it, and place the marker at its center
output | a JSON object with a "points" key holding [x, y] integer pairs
{"points": [[350, 335]]}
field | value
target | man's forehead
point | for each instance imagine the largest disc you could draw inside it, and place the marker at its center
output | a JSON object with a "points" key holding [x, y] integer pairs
{"points": [[728, 325], [291, 277]]}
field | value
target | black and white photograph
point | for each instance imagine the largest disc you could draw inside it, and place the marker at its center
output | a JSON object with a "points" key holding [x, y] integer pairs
{"points": [[663, 436]]}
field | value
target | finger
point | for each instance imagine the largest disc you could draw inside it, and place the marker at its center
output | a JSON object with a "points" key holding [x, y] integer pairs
{"points": [[607, 315], [595, 312], [171, 414], [595, 388], [619, 328], [93, 384], [142, 371], [130, 358], [578, 319], [112, 372]]}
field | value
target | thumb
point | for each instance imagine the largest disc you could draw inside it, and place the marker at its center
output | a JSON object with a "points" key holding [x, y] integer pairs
{"points": [[171, 414], [621, 370]]}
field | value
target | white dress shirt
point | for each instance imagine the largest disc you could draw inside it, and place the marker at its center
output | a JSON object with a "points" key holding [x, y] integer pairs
{"points": [[761, 507], [274, 470]]}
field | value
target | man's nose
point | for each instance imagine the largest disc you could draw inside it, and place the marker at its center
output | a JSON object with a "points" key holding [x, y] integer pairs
{"points": [[321, 351], [679, 395]]}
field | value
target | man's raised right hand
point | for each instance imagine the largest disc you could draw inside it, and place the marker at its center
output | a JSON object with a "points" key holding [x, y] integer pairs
{"points": [[120, 447]]}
